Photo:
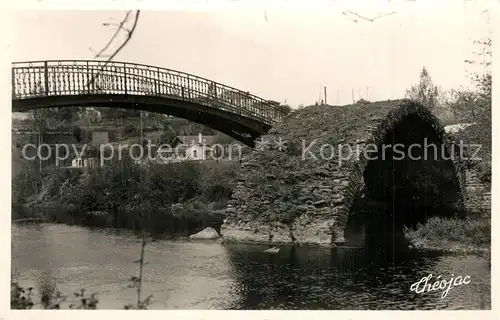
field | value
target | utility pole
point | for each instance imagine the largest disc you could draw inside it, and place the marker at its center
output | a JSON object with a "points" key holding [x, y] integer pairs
{"points": [[352, 94], [90, 126], [39, 143], [325, 95], [140, 112]]}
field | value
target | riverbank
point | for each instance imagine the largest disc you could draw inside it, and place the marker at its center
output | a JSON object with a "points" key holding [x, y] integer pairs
{"points": [[462, 236], [467, 236], [183, 199], [178, 199]]}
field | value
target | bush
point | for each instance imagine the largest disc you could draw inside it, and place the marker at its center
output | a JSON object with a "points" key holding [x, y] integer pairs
{"points": [[126, 195], [467, 231], [77, 133], [49, 298], [484, 171], [218, 181], [173, 183], [26, 182], [130, 129]]}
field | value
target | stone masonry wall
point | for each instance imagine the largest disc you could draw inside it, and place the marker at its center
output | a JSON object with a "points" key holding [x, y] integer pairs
{"points": [[285, 195], [477, 193]]}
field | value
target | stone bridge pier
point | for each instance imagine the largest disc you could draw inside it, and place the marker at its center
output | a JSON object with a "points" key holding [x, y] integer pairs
{"points": [[339, 175]]}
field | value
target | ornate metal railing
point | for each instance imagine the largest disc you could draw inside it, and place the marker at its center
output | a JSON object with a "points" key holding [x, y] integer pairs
{"points": [[79, 77]]}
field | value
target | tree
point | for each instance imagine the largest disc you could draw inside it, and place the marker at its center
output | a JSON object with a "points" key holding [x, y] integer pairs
{"points": [[425, 92], [130, 129], [107, 113], [40, 117], [118, 115], [474, 106], [483, 81], [77, 133], [158, 121], [53, 118], [222, 139], [362, 102], [195, 128], [286, 108], [167, 137]]}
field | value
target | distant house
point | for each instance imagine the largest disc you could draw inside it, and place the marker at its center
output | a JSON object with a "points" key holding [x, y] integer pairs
{"points": [[173, 142], [183, 148], [156, 137], [194, 152], [190, 140], [454, 128], [84, 163], [198, 151], [22, 116]]}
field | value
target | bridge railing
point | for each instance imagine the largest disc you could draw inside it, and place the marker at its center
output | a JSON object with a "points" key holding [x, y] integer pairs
{"points": [[80, 77]]}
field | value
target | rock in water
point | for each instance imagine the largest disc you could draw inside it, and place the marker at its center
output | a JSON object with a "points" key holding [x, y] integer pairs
{"points": [[272, 250], [205, 234]]}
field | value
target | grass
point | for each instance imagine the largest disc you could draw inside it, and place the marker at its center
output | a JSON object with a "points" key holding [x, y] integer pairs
{"points": [[458, 235]]}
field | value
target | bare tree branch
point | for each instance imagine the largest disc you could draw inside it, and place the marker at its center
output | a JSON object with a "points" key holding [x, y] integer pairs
{"points": [[129, 35], [121, 27], [365, 18], [345, 14]]}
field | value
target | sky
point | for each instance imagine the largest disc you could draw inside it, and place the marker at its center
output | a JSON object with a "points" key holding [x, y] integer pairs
{"points": [[276, 53]]}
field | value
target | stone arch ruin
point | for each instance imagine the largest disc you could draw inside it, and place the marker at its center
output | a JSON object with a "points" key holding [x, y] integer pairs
{"points": [[304, 187]]}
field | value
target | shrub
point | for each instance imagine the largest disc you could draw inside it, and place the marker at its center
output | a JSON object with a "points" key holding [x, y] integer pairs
{"points": [[77, 133], [20, 298], [26, 182], [484, 171], [50, 298], [129, 129], [217, 181], [126, 194], [468, 231]]}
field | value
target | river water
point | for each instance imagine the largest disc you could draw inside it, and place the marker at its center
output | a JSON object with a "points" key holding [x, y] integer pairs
{"points": [[209, 275]]}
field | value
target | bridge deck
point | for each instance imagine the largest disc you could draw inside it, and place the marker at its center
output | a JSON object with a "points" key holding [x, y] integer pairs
{"points": [[40, 79]]}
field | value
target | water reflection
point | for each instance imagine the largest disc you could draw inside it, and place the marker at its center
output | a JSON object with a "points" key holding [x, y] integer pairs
{"points": [[180, 275], [343, 278], [208, 275]]}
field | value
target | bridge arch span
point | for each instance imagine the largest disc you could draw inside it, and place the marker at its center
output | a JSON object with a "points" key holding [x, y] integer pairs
{"points": [[312, 192], [241, 128], [40, 84], [389, 190]]}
